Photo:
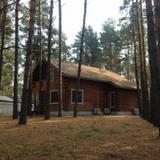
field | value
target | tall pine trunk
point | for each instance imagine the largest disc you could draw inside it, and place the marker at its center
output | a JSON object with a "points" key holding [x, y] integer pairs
{"points": [[28, 67], [154, 64], [144, 86], [40, 30], [4, 12], [80, 59], [50, 29], [157, 20], [147, 110], [40, 47], [15, 99], [136, 70], [60, 59], [29, 107], [156, 110], [135, 54]]}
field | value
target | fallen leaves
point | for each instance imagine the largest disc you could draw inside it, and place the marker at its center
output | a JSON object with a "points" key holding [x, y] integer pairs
{"points": [[83, 138]]}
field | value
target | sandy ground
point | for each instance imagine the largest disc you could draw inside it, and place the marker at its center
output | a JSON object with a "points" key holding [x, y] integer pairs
{"points": [[82, 138]]}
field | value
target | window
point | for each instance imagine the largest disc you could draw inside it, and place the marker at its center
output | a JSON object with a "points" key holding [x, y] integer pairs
{"points": [[112, 99], [54, 97], [80, 96]]}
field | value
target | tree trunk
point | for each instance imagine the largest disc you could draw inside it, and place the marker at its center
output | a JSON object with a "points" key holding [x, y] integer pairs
{"points": [[40, 47], [157, 27], [128, 55], [15, 99], [28, 67], [35, 103], [154, 64], [60, 60], [157, 20], [80, 59], [2, 38], [135, 55], [29, 106], [50, 29], [144, 86], [40, 29], [147, 110]]}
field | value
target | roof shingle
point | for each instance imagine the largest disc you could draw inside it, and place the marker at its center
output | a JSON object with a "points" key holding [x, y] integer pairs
{"points": [[95, 74]]}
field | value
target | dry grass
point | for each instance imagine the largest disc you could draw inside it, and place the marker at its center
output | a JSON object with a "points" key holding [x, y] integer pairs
{"points": [[83, 138]]}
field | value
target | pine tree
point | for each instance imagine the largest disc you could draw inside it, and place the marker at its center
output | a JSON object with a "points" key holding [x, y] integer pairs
{"points": [[50, 29], [28, 63], [142, 55], [154, 64], [3, 26], [40, 48], [15, 99], [92, 53], [134, 22], [60, 59], [80, 59], [157, 20], [111, 45]]}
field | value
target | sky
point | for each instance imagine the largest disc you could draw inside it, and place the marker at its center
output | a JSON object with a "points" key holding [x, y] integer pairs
{"points": [[98, 12]]}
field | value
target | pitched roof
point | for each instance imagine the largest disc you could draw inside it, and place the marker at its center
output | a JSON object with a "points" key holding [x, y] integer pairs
{"points": [[5, 98], [95, 74]]}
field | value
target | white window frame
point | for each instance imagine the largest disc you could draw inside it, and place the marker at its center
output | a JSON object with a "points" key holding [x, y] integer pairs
{"points": [[82, 96], [55, 90], [110, 99]]}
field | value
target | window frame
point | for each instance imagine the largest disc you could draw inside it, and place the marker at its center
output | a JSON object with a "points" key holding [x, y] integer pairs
{"points": [[55, 90], [81, 90]]}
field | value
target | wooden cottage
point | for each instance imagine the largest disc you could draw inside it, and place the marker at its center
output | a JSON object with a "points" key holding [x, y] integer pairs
{"points": [[101, 91]]}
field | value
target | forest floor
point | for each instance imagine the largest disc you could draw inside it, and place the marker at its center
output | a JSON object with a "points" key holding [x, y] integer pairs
{"points": [[82, 138]]}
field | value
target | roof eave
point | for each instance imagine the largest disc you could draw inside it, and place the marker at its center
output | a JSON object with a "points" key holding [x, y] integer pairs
{"points": [[104, 81]]}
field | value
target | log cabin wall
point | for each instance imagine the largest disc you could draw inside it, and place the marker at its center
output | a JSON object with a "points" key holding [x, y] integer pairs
{"points": [[96, 94], [127, 100]]}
